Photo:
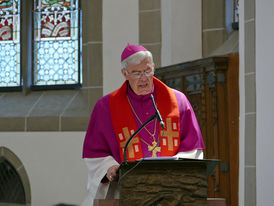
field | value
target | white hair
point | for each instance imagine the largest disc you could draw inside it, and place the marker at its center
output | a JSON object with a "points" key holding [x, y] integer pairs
{"points": [[137, 58]]}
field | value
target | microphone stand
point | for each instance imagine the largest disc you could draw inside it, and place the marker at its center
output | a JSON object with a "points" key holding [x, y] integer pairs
{"points": [[135, 133]]}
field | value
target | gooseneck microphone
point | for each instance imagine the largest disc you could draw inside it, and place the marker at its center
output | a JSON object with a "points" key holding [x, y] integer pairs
{"points": [[157, 113]]}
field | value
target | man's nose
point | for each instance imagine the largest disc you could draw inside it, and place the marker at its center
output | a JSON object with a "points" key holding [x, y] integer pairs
{"points": [[143, 75]]}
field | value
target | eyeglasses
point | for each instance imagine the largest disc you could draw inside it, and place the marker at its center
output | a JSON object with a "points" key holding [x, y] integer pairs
{"points": [[138, 75]]}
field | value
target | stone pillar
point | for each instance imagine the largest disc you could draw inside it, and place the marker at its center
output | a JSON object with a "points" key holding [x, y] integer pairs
{"points": [[213, 25], [150, 28]]}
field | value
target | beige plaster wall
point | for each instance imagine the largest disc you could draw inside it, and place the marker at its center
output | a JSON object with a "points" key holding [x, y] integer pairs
{"points": [[181, 31], [53, 163], [120, 27]]}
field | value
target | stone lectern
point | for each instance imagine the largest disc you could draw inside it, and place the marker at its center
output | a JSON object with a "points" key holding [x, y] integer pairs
{"points": [[165, 182]]}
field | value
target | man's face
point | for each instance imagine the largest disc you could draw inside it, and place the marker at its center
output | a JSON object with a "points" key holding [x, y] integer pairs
{"points": [[140, 77]]}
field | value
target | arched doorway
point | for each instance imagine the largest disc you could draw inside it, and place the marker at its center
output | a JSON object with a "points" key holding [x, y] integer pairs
{"points": [[14, 181]]}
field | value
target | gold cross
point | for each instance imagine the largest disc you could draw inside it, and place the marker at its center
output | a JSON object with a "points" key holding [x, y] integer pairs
{"points": [[157, 149], [170, 134], [130, 146]]}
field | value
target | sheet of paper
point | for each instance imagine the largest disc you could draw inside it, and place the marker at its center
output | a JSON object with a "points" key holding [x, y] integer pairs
{"points": [[159, 158]]}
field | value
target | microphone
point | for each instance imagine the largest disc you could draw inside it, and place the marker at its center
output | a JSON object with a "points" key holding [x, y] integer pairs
{"points": [[158, 115]]}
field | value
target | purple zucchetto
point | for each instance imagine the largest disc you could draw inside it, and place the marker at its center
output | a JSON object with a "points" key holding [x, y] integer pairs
{"points": [[131, 49]]}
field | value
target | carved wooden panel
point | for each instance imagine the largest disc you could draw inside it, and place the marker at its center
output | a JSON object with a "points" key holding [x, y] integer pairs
{"points": [[205, 84], [170, 183]]}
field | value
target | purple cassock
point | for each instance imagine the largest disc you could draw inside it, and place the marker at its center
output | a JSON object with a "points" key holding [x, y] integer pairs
{"points": [[100, 140]]}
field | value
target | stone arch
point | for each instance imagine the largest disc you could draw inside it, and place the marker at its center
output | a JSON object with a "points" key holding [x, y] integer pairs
{"points": [[13, 179]]}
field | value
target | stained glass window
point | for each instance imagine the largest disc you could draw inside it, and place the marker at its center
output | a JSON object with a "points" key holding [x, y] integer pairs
{"points": [[10, 43], [56, 42]]}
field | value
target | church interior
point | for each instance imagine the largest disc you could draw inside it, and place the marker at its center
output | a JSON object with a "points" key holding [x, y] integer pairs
{"points": [[58, 57]]}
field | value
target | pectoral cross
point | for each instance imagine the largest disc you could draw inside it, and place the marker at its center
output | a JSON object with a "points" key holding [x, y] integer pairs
{"points": [[157, 149]]}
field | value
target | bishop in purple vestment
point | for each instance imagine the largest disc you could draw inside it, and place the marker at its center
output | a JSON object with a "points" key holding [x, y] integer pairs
{"points": [[101, 148]]}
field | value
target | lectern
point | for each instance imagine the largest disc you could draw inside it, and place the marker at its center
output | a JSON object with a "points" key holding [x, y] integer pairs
{"points": [[165, 182]]}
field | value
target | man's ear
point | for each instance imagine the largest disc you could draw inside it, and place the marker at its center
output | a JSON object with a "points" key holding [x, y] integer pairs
{"points": [[123, 71]]}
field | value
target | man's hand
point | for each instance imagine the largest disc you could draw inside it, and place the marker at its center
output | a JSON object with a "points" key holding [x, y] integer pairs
{"points": [[112, 173]]}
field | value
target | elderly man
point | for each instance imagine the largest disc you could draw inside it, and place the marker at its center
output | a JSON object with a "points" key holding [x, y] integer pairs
{"points": [[119, 114]]}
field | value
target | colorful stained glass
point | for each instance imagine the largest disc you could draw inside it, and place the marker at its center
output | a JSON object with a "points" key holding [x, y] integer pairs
{"points": [[9, 43], [56, 42]]}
